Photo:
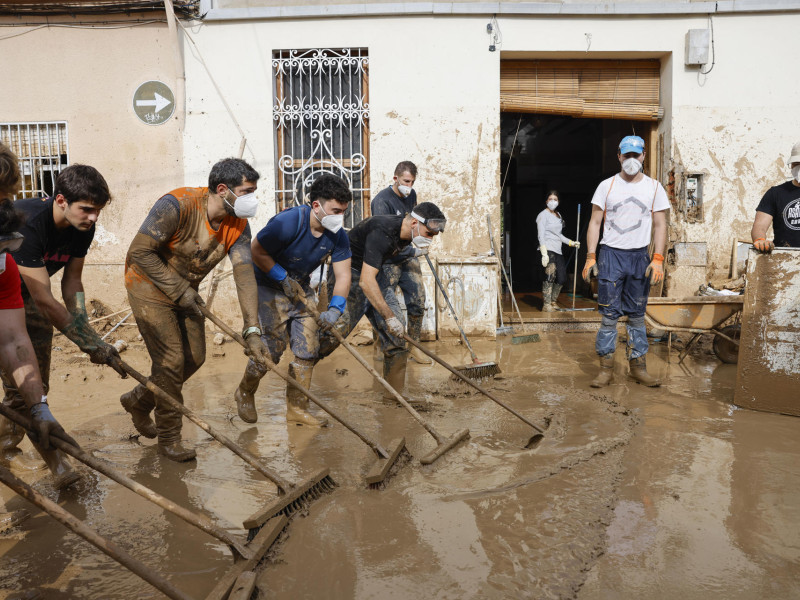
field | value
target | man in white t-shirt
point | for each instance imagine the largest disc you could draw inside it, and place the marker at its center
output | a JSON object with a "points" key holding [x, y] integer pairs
{"points": [[633, 207]]}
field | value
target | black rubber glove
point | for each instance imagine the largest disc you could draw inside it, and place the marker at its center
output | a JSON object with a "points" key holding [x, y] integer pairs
{"points": [[293, 290], [329, 318], [256, 348], [190, 299], [45, 425]]}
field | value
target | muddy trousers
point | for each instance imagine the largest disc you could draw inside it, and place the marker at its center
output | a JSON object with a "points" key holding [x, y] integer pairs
{"points": [[41, 333], [176, 342], [407, 275], [357, 307], [284, 324]]}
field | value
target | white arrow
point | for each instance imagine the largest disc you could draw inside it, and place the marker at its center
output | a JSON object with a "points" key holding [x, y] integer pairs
{"points": [[160, 102]]}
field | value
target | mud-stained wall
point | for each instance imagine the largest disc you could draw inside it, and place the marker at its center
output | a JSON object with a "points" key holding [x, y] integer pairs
{"points": [[87, 77]]}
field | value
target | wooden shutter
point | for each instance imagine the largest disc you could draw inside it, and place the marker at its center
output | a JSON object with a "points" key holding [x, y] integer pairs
{"points": [[601, 89]]}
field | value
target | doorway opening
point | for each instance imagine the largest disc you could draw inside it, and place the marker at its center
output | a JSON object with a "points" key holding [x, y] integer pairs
{"points": [[555, 152]]}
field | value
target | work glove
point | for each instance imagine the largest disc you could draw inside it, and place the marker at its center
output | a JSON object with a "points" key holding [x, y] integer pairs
{"points": [[763, 246], [420, 251], [293, 290], [545, 257], [395, 327], [655, 271], [45, 425], [190, 299], [574, 244], [100, 353], [590, 267], [329, 318], [256, 348]]}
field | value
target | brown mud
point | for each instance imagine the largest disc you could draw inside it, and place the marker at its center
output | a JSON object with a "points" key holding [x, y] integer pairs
{"points": [[634, 492]]}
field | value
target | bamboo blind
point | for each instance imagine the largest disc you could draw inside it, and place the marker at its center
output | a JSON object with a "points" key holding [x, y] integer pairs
{"points": [[619, 89]]}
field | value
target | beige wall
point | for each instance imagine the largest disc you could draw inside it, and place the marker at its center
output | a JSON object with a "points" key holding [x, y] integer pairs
{"points": [[87, 78]]}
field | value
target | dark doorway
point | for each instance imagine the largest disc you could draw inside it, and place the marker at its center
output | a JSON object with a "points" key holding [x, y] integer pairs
{"points": [[553, 152]]}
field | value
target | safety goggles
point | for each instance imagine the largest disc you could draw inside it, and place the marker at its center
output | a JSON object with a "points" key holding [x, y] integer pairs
{"points": [[436, 225], [10, 242]]}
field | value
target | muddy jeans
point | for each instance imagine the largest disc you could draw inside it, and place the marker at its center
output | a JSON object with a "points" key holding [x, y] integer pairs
{"points": [[286, 324], [41, 333], [176, 342], [357, 307], [408, 276]]}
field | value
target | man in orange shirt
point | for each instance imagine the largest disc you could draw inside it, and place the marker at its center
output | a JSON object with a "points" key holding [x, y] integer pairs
{"points": [[187, 233]]}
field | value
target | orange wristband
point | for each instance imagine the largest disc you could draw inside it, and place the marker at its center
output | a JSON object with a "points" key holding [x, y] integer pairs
{"points": [[657, 258], [591, 255]]}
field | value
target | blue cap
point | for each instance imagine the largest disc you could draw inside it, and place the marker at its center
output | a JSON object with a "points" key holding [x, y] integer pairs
{"points": [[631, 143]]}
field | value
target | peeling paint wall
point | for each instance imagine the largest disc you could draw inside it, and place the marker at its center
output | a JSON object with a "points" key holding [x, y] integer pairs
{"points": [[87, 77]]}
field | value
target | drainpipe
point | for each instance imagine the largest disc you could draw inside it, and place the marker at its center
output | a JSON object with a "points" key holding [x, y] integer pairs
{"points": [[180, 73]]}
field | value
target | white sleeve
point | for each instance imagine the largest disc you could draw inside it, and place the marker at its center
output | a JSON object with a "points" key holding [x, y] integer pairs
{"points": [[661, 201], [600, 194], [540, 227]]}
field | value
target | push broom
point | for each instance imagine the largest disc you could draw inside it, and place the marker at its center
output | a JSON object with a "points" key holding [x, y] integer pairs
{"points": [[386, 458], [478, 369]]}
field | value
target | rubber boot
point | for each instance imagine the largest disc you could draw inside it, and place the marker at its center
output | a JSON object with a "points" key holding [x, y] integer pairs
{"points": [[176, 451], [245, 402], [606, 373], [132, 402], [63, 473], [10, 437], [415, 332], [394, 372], [297, 402], [547, 296], [639, 372], [554, 296]]}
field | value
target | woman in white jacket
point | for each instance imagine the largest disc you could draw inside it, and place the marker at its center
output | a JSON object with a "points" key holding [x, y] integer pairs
{"points": [[549, 224]]}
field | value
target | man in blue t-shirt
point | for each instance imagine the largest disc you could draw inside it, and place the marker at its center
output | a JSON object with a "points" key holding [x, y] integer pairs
{"points": [[285, 253], [403, 270]]}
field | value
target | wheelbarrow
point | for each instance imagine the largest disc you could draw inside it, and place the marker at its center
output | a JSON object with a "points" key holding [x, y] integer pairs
{"points": [[699, 315]]}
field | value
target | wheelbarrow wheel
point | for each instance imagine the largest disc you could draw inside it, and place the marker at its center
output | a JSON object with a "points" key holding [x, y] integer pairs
{"points": [[725, 350]]}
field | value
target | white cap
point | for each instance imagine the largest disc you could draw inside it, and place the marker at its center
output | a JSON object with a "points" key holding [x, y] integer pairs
{"points": [[795, 157]]}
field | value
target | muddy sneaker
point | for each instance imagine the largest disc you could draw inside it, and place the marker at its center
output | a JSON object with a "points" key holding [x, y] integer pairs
{"points": [[176, 451], [245, 405], [141, 419]]}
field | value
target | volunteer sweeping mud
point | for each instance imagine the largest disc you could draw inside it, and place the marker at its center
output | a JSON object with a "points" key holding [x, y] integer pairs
{"points": [[403, 270], [632, 205], [186, 234], [549, 224], [372, 242], [285, 253], [17, 357], [57, 234]]}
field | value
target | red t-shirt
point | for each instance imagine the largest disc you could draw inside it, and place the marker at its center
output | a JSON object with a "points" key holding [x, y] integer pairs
{"points": [[10, 285]]}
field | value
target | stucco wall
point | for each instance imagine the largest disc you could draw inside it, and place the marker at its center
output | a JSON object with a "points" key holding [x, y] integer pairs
{"points": [[87, 77]]}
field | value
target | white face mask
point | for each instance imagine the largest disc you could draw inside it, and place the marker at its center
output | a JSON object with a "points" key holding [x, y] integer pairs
{"points": [[796, 173], [404, 190], [552, 204], [245, 205], [420, 241], [631, 166], [332, 223]]}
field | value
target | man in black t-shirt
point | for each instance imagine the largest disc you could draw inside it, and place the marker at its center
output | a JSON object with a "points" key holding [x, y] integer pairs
{"points": [[372, 242], [58, 231], [780, 207], [403, 269]]}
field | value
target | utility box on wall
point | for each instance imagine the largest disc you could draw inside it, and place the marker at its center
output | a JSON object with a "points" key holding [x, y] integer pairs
{"points": [[471, 285], [697, 44], [693, 197]]}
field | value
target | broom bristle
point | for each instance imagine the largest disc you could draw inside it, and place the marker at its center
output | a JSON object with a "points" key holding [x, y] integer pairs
{"points": [[479, 371]]}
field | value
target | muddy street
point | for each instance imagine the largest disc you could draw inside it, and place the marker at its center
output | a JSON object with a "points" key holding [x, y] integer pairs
{"points": [[634, 492]]}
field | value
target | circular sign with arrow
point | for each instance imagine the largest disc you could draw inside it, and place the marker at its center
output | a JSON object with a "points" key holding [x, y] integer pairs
{"points": [[153, 102]]}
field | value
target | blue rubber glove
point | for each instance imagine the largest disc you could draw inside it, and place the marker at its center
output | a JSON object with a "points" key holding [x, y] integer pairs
{"points": [[45, 424]]}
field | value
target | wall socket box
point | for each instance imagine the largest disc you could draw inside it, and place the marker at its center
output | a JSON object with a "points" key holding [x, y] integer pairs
{"points": [[697, 45]]}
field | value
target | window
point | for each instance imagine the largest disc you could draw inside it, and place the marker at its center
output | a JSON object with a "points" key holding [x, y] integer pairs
{"points": [[42, 151], [321, 115]]}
